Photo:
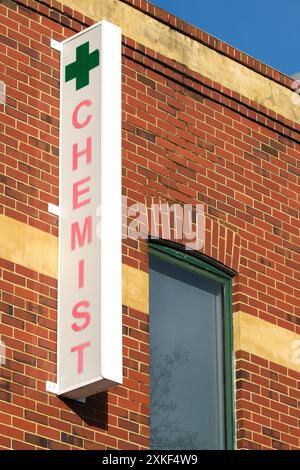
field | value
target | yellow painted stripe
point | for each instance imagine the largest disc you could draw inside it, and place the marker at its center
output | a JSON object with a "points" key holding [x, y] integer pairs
{"points": [[135, 289], [38, 250], [268, 341], [196, 56], [28, 246]]}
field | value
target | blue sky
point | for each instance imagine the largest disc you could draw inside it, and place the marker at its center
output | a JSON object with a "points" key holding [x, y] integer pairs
{"points": [[268, 30]]}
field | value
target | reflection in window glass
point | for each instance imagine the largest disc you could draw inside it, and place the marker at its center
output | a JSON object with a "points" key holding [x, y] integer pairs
{"points": [[187, 405]]}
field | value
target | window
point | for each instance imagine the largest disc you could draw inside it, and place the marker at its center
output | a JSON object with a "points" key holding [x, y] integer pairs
{"points": [[191, 352]]}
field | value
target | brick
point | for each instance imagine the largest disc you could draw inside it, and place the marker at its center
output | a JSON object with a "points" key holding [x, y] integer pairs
{"points": [[24, 358], [37, 440], [69, 439], [36, 417], [270, 432], [19, 445], [23, 424], [128, 425]]}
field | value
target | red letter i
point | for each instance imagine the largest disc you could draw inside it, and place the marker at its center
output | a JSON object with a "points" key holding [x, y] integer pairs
{"points": [[81, 274]]}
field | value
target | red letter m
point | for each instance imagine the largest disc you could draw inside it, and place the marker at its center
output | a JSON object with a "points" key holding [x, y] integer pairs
{"points": [[80, 236]]}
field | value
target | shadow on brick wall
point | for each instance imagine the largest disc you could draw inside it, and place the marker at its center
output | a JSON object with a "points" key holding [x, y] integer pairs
{"points": [[94, 412]]}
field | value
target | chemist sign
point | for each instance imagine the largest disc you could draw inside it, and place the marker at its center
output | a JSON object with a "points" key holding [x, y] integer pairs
{"points": [[89, 306]]}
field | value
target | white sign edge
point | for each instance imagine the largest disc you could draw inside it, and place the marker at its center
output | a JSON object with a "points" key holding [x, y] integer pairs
{"points": [[108, 325]]}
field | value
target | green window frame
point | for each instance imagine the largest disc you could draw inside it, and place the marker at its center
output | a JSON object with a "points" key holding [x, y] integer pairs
{"points": [[210, 269]]}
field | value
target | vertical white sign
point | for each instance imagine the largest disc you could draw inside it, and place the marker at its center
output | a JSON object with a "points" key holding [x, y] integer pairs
{"points": [[89, 295]]}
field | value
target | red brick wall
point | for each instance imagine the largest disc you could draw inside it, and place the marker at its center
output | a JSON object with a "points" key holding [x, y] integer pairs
{"points": [[267, 402], [186, 140]]}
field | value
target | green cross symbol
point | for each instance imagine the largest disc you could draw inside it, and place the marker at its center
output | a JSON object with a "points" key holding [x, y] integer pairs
{"points": [[80, 69]]}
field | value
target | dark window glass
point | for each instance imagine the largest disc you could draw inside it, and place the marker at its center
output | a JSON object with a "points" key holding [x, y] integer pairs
{"points": [[187, 389]]}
